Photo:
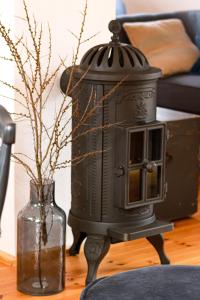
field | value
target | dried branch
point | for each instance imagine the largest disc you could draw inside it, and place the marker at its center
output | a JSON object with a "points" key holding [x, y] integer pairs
{"points": [[13, 99], [26, 166], [38, 78], [6, 58]]}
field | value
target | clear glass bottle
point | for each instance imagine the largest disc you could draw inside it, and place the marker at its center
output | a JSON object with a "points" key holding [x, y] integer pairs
{"points": [[41, 230]]}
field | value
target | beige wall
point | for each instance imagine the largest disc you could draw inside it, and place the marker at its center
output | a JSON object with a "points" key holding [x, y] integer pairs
{"points": [[139, 6]]}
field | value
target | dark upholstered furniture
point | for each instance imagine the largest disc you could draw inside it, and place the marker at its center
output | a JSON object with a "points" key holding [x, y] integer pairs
{"points": [[152, 283], [182, 91], [7, 135]]}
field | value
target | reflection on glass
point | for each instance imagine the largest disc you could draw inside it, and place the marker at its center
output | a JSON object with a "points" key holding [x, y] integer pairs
{"points": [[135, 185], [136, 147], [153, 183], [155, 142]]}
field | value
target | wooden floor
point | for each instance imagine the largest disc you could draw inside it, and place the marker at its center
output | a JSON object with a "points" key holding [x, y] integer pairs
{"points": [[182, 246]]}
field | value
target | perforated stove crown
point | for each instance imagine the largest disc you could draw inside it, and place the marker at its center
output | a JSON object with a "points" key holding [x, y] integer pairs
{"points": [[113, 191]]}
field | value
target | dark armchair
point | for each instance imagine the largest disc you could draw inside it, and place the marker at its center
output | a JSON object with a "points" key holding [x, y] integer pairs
{"points": [[181, 91], [7, 135]]}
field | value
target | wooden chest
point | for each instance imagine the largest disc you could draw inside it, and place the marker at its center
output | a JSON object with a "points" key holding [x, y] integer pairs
{"points": [[183, 161]]}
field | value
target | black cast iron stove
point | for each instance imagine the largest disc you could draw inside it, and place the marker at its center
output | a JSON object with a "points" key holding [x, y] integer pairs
{"points": [[114, 191]]}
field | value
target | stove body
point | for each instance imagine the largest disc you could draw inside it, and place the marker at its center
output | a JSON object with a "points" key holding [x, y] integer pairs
{"points": [[115, 187]]}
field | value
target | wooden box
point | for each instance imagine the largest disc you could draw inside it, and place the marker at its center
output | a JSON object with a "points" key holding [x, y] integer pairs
{"points": [[182, 166]]}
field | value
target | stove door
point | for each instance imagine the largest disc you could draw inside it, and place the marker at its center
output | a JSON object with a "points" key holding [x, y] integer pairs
{"points": [[140, 165]]}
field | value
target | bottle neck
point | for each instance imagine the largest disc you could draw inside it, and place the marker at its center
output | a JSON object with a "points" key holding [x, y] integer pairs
{"points": [[43, 194]]}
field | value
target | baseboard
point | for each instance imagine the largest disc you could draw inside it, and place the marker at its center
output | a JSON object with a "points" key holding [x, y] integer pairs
{"points": [[7, 259]]}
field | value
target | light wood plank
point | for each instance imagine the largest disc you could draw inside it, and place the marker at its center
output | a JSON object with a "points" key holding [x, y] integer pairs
{"points": [[182, 246], [7, 259]]}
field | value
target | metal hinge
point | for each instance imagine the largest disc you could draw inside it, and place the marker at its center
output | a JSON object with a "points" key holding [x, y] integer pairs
{"points": [[167, 134]]}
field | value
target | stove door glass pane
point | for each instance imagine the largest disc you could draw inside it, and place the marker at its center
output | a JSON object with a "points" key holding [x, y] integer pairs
{"points": [[153, 183], [136, 147], [155, 144], [135, 185]]}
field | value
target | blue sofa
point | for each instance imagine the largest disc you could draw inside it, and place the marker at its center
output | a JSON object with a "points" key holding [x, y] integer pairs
{"points": [[181, 91]]}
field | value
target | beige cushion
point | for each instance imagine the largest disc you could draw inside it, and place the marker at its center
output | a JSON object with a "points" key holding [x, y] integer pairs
{"points": [[165, 43]]}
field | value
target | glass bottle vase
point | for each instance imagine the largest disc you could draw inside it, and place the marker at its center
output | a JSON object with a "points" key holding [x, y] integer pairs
{"points": [[41, 230]]}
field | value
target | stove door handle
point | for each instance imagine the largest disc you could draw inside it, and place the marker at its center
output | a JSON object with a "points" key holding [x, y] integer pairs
{"points": [[150, 166]]}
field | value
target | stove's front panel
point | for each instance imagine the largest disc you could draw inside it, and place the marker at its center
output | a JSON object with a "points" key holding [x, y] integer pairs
{"points": [[139, 165], [128, 190]]}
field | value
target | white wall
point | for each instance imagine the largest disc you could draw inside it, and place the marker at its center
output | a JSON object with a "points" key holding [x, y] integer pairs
{"points": [[62, 15], [142, 6]]}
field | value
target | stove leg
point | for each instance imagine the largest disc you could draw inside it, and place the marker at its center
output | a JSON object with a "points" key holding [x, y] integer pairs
{"points": [[78, 239], [96, 247], [158, 243]]}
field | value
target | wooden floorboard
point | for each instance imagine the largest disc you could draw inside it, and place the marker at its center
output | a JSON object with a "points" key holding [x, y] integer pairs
{"points": [[182, 246]]}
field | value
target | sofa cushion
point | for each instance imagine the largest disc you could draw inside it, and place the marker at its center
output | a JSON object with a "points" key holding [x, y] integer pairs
{"points": [[165, 43], [152, 283], [180, 92], [190, 19]]}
